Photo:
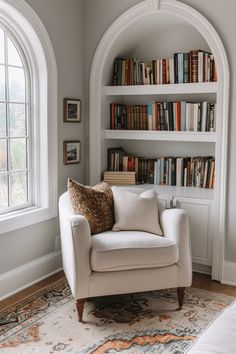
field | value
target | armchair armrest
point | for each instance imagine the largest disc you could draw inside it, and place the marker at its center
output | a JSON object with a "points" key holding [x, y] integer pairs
{"points": [[76, 246], [175, 226]]}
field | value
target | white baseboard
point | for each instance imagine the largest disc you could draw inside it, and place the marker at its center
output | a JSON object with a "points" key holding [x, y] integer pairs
{"points": [[201, 268], [229, 273], [28, 274]]}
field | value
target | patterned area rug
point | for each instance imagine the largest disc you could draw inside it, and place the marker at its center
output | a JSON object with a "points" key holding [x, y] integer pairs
{"points": [[46, 322]]}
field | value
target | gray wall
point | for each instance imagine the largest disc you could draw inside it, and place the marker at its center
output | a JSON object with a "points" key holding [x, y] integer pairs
{"points": [[99, 15], [63, 22]]}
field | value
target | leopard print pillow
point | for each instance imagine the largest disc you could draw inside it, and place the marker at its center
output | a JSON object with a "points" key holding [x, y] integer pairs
{"points": [[95, 203]]}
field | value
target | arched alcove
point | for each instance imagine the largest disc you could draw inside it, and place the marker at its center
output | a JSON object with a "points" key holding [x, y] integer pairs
{"points": [[130, 34]]}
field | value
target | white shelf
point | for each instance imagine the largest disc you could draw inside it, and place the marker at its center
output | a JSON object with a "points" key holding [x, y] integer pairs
{"points": [[154, 135], [205, 87], [188, 192]]}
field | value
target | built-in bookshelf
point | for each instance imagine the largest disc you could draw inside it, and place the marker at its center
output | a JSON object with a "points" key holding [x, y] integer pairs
{"points": [[143, 49]]}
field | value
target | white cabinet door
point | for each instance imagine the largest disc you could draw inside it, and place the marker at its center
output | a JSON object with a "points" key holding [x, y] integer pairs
{"points": [[199, 212], [164, 202]]}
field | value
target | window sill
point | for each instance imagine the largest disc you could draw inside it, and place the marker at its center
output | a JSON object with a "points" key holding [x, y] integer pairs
{"points": [[17, 220]]}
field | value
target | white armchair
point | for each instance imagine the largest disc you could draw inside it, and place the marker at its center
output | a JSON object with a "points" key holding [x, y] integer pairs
{"points": [[124, 261]]}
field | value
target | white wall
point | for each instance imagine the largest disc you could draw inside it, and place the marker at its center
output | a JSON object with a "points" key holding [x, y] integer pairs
{"points": [[99, 14], [63, 22]]}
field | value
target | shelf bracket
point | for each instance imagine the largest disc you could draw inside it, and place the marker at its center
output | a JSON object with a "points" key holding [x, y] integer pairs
{"points": [[154, 4]]}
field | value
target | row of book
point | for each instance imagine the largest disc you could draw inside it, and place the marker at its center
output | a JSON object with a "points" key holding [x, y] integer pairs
{"points": [[185, 171], [169, 171], [171, 116], [194, 66]]}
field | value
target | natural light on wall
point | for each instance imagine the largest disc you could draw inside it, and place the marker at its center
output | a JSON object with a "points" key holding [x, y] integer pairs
{"points": [[14, 127]]}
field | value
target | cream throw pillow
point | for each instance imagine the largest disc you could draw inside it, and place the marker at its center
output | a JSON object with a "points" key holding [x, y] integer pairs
{"points": [[136, 211]]}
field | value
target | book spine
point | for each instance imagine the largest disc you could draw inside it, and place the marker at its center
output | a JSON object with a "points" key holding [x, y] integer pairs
{"points": [[154, 118], [158, 72], [172, 71], [178, 127], [200, 66], [212, 117], [115, 72], [180, 68], [189, 116], [203, 116], [164, 71], [195, 117], [183, 116], [176, 68], [124, 72], [171, 117], [194, 70], [179, 172], [162, 170], [162, 116], [150, 115], [166, 113], [186, 67]]}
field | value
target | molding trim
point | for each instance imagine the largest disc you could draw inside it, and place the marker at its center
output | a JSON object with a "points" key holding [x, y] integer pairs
{"points": [[205, 28], [28, 274], [229, 273], [202, 268]]}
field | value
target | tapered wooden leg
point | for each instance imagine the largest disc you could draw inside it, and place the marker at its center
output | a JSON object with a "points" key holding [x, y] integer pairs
{"points": [[180, 293], [80, 308]]}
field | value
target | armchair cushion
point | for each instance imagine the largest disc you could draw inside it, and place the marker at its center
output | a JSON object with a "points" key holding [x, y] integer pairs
{"points": [[135, 211], [95, 203], [131, 250]]}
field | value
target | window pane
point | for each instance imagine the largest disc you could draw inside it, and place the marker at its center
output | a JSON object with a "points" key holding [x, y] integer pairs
{"points": [[18, 188], [3, 155], [13, 55], [2, 119], [2, 83], [16, 84], [3, 192], [1, 46], [17, 119], [17, 154]]}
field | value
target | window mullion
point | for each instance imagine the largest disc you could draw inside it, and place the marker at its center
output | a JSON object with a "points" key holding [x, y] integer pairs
{"points": [[7, 117]]}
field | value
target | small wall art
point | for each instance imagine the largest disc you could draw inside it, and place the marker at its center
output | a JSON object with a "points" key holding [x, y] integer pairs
{"points": [[72, 152], [71, 110]]}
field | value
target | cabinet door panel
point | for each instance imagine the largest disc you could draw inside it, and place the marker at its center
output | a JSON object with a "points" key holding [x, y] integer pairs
{"points": [[163, 202], [199, 215]]}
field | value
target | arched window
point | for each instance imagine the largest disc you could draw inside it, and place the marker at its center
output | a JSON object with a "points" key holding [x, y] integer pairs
{"points": [[15, 136], [28, 118]]}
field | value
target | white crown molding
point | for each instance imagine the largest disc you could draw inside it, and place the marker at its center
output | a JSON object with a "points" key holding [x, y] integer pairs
{"points": [[28, 274]]}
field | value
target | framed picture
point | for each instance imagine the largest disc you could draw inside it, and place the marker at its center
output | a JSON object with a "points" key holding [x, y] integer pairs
{"points": [[71, 152], [72, 110]]}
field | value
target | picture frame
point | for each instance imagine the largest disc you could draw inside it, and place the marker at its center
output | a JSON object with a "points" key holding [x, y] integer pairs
{"points": [[71, 110], [71, 152]]}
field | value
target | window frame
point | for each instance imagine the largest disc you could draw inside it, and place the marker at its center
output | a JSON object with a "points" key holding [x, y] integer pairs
{"points": [[29, 123], [26, 28]]}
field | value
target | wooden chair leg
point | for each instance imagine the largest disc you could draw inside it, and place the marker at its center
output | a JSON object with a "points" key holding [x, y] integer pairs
{"points": [[80, 308], [180, 293]]}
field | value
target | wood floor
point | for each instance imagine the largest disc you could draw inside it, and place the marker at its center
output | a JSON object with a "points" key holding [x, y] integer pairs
{"points": [[200, 281]]}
